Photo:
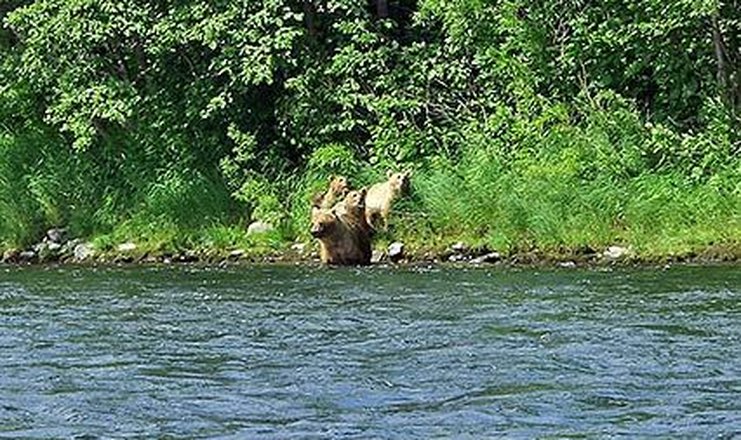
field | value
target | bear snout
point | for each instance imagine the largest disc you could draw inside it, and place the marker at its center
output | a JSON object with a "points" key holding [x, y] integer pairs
{"points": [[317, 231]]}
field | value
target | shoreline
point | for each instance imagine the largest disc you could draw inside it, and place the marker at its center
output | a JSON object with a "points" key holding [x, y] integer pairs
{"points": [[297, 255]]}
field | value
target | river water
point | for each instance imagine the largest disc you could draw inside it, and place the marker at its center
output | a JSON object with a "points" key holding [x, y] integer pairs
{"points": [[287, 352]]}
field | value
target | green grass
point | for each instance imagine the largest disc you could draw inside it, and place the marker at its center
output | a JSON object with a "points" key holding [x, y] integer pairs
{"points": [[585, 178], [655, 214], [567, 187]]}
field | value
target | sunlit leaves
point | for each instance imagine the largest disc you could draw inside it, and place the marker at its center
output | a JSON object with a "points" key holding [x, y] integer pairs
{"points": [[181, 78]]}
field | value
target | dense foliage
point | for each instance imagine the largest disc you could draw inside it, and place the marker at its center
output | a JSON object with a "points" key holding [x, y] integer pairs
{"points": [[554, 124]]}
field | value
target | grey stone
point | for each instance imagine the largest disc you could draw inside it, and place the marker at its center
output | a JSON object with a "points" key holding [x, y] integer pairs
{"points": [[567, 264], [47, 251], [259, 227], [68, 248], [126, 247], [57, 235], [27, 256], [616, 252], [236, 253], [83, 251], [458, 247], [491, 257], [396, 251]]}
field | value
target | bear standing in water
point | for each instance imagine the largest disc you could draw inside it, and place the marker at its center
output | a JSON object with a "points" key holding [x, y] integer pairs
{"points": [[343, 234]]}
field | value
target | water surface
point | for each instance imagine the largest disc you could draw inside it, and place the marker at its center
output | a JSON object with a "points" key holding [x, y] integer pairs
{"points": [[284, 352]]}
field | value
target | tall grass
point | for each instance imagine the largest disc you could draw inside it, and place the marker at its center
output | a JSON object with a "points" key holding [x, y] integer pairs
{"points": [[41, 185], [569, 186], [45, 184], [561, 179]]}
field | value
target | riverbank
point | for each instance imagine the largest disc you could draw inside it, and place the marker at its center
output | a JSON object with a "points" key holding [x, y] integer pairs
{"points": [[55, 248]]}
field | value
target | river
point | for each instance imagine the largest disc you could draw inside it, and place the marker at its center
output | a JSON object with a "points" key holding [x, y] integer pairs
{"points": [[308, 352]]}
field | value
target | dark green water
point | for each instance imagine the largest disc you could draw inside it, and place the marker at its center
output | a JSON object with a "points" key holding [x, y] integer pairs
{"points": [[281, 352]]}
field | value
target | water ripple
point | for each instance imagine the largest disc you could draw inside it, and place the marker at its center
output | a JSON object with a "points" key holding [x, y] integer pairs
{"points": [[284, 352]]}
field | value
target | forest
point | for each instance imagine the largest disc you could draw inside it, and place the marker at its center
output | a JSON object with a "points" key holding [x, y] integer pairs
{"points": [[556, 126]]}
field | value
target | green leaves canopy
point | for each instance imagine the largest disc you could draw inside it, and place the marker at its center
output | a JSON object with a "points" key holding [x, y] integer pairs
{"points": [[241, 93], [179, 76]]}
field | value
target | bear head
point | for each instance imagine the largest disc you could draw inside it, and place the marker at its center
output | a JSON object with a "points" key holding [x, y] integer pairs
{"points": [[356, 199], [399, 181], [338, 185], [323, 222]]}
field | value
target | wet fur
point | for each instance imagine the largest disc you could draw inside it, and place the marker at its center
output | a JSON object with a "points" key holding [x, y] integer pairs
{"points": [[341, 228], [340, 243]]}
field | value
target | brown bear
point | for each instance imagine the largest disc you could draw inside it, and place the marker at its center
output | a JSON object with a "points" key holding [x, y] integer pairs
{"points": [[340, 242], [381, 195], [352, 212], [338, 187]]}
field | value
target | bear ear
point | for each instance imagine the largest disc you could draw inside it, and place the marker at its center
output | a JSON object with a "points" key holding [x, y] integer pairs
{"points": [[331, 178], [316, 200], [363, 191], [408, 172], [389, 173]]}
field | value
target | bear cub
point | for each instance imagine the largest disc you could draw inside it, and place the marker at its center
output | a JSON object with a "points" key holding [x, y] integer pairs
{"points": [[380, 197]]}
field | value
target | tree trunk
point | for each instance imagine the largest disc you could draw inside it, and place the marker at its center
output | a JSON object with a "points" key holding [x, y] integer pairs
{"points": [[309, 15], [721, 59], [733, 51], [383, 8]]}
